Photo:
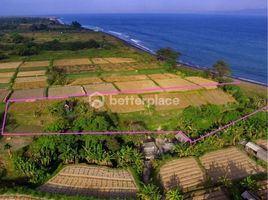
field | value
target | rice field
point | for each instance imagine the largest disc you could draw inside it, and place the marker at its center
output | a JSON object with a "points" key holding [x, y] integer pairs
{"points": [[71, 62], [166, 101], [30, 79], [4, 80], [19, 197], [217, 97], [34, 64], [4, 93], [195, 98], [231, 163], [79, 69], [116, 67], [202, 81], [104, 87], [183, 173], [209, 194], [85, 81], [137, 86], [124, 103], [65, 91], [31, 73], [162, 76], [26, 94], [125, 78], [30, 82], [99, 61], [184, 85], [10, 65], [6, 75], [119, 60], [85, 180]]}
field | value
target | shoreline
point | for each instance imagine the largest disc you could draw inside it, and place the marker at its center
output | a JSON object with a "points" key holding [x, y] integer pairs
{"points": [[145, 50]]}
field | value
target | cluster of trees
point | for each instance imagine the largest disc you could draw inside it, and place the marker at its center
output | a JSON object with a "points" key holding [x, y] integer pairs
{"points": [[56, 76], [45, 153]]}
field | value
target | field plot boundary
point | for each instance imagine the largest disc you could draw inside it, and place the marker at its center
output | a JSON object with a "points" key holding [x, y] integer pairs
{"points": [[187, 139]]}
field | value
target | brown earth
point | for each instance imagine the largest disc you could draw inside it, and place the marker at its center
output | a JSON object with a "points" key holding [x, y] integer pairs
{"points": [[65, 91], [101, 88], [85, 81], [217, 97], [10, 65], [33, 64], [71, 62], [137, 85], [125, 78], [202, 81], [31, 93], [176, 82]]}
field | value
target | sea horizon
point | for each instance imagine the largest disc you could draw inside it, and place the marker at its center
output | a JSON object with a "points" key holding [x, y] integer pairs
{"points": [[202, 39]]}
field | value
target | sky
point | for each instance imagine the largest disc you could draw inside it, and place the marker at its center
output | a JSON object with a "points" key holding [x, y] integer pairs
{"points": [[43, 7]]}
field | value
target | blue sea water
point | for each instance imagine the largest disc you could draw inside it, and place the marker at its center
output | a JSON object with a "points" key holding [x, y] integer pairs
{"points": [[202, 39]]}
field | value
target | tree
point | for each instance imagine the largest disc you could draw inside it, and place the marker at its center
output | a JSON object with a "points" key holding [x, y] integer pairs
{"points": [[221, 68], [169, 55], [174, 195], [76, 24], [149, 192]]}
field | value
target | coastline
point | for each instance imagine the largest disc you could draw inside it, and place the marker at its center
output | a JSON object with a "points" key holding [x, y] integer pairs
{"points": [[179, 63]]}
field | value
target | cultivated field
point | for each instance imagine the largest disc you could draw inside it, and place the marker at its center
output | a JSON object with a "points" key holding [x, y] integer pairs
{"points": [[133, 86], [162, 76], [3, 94], [263, 144], [139, 66], [26, 94], [183, 173], [125, 78], [209, 194], [31, 79], [195, 98], [79, 69], [71, 62], [96, 181], [32, 73], [19, 197], [116, 67], [263, 190], [231, 163], [134, 104], [173, 82], [217, 97], [202, 81], [34, 64], [30, 82], [99, 61], [105, 87], [85, 81], [120, 60], [6, 75], [4, 80], [65, 91], [10, 65], [178, 101]]}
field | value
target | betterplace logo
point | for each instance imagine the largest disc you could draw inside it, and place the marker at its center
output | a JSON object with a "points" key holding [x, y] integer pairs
{"points": [[96, 100]]}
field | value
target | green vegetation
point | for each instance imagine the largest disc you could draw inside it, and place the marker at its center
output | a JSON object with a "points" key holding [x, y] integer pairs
{"points": [[221, 68]]}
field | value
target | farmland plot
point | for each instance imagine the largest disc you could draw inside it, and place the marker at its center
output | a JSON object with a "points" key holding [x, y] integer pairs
{"points": [[183, 173], [31, 73], [202, 81], [19, 197], [26, 94], [79, 69], [137, 86], [162, 76], [34, 64], [95, 181], [229, 162], [7, 75], [195, 98], [30, 82], [125, 78], [4, 94], [31, 79], [209, 194], [166, 101], [120, 60], [71, 62], [65, 91], [116, 67], [176, 82], [10, 65], [263, 189], [4, 80], [139, 66], [124, 103], [217, 97], [99, 61], [85, 81], [101, 88]]}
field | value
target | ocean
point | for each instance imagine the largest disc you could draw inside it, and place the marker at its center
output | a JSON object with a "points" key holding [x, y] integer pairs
{"points": [[202, 39]]}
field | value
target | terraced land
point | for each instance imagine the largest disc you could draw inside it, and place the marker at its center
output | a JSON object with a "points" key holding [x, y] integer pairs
{"points": [[183, 173], [209, 194], [137, 86], [101, 88], [65, 91], [92, 181], [79, 69], [4, 93], [27, 94], [19, 197], [30, 82], [202, 81], [120, 60], [35, 64], [10, 65], [87, 80], [231, 163], [263, 190], [217, 97], [99, 61], [31, 73], [125, 78], [71, 62], [182, 84], [118, 67]]}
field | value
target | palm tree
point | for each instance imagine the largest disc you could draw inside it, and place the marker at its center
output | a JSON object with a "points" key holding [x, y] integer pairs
{"points": [[174, 195], [149, 192]]}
